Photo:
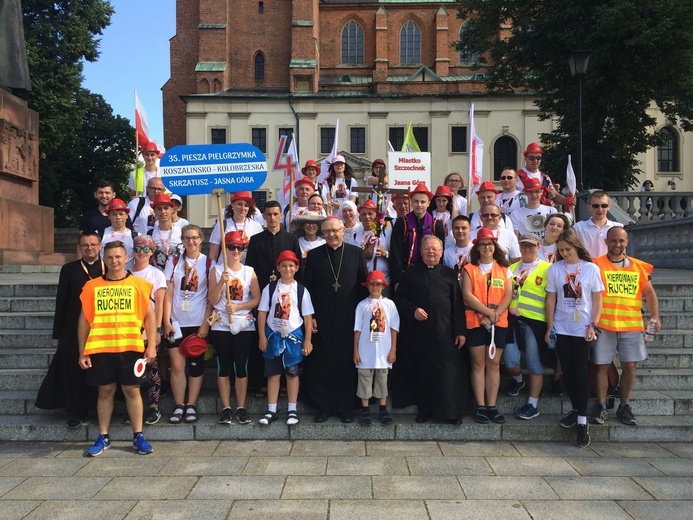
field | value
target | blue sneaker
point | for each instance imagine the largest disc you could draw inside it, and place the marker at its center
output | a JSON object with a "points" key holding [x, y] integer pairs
{"points": [[528, 412], [102, 443], [141, 445], [515, 387]]}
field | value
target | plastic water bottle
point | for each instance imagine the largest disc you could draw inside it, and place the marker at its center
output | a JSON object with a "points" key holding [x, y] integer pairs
{"points": [[649, 334], [552, 339]]}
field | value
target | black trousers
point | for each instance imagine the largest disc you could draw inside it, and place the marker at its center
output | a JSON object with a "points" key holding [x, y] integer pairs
{"points": [[574, 353]]}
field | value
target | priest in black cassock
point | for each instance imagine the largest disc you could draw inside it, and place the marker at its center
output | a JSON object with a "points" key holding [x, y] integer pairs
{"points": [[64, 386], [263, 251], [429, 299], [333, 276]]}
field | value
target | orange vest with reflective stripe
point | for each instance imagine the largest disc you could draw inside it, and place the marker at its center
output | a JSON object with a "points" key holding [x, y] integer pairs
{"points": [[115, 311], [622, 296], [489, 292]]}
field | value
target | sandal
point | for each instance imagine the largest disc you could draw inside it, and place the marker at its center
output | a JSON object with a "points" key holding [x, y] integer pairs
{"points": [[292, 417], [190, 413], [268, 418], [177, 416]]}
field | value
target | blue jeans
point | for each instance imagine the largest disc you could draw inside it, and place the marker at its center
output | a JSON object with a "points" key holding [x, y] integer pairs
{"points": [[511, 357]]}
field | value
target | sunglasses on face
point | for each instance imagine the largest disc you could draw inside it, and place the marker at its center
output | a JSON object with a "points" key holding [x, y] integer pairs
{"points": [[143, 249], [235, 248], [490, 215], [597, 206], [506, 177], [534, 157]]}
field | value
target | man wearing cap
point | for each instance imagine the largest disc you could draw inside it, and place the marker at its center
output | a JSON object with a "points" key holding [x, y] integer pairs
{"points": [[310, 171], [142, 175], [141, 210], [491, 217], [527, 319], [333, 275], [429, 299], [510, 198], [626, 280], [530, 170], [64, 385], [592, 232], [115, 307], [487, 195], [408, 232], [303, 188], [531, 218], [96, 219]]}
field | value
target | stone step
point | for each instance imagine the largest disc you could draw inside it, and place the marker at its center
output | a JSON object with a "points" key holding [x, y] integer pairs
{"points": [[29, 269], [644, 402], [39, 358], [664, 378], [21, 338], [543, 428], [27, 304], [28, 321], [662, 357], [676, 320], [24, 290], [682, 287]]}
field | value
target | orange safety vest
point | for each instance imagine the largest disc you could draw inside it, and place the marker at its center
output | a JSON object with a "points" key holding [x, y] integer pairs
{"points": [[490, 292], [115, 311], [622, 295]]}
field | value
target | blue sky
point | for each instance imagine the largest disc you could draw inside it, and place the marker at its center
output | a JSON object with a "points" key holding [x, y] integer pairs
{"points": [[135, 56]]}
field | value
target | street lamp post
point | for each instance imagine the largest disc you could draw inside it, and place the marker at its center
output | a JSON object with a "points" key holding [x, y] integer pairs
{"points": [[578, 62]]}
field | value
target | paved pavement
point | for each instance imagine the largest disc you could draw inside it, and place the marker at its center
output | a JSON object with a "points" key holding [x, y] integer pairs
{"points": [[348, 480]]}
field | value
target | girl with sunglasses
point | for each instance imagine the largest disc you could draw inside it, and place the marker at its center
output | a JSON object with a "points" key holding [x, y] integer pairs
{"points": [[233, 293]]}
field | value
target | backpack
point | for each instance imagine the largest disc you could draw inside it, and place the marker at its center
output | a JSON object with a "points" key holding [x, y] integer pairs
{"points": [[175, 259]]}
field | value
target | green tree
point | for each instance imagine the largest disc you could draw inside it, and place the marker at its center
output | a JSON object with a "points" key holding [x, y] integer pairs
{"points": [[80, 138], [642, 54]]}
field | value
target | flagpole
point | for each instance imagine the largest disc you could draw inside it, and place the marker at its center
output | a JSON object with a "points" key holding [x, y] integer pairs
{"points": [[137, 145]]}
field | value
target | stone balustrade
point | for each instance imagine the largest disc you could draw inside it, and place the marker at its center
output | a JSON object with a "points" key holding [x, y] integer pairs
{"points": [[654, 205]]}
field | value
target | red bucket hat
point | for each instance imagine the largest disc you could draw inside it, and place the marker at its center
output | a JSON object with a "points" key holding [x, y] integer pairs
{"points": [[162, 200], [244, 196], [306, 181], [421, 188], [485, 234], [310, 164], [368, 205], [234, 238], [117, 205], [533, 185], [532, 148], [287, 254], [150, 147], [444, 191], [375, 276], [193, 346], [487, 186]]}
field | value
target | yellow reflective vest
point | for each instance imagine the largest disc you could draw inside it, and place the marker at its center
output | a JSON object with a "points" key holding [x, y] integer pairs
{"points": [[530, 298]]}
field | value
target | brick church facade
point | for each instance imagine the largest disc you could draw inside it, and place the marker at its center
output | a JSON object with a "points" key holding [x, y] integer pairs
{"points": [[252, 71]]}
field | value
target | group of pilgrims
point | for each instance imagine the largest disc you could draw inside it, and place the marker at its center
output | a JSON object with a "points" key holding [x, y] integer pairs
{"points": [[405, 296]]}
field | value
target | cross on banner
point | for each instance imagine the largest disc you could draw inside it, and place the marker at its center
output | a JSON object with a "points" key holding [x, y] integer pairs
{"points": [[289, 169]]}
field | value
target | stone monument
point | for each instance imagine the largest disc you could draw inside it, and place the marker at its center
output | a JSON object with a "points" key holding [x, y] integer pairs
{"points": [[26, 229]]}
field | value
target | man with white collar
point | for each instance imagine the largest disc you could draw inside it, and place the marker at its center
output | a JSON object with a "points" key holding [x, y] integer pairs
{"points": [[533, 155], [487, 195], [533, 209], [303, 189], [510, 198], [491, 218], [592, 232]]}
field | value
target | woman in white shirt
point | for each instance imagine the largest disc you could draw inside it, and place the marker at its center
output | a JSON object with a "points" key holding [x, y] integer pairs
{"points": [[573, 307], [238, 216], [186, 302]]}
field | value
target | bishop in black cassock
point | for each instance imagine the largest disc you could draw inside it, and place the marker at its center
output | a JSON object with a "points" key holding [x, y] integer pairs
{"points": [[333, 276]]}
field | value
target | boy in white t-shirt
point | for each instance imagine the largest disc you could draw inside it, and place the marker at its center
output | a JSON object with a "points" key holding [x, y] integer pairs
{"points": [[375, 346], [285, 335]]}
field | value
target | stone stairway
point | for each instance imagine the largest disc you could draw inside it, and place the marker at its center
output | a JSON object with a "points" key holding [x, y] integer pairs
{"points": [[663, 400]]}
